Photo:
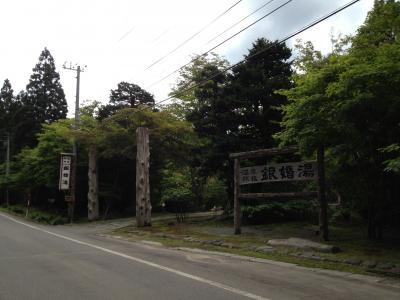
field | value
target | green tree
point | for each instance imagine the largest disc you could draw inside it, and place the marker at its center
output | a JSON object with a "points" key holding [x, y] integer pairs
{"points": [[131, 95], [6, 105], [208, 110], [349, 102], [45, 99], [126, 95], [37, 169], [11, 118], [252, 92], [234, 111], [115, 141]]}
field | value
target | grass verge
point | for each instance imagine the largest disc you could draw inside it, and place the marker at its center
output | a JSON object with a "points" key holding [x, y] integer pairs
{"points": [[202, 231], [35, 214]]}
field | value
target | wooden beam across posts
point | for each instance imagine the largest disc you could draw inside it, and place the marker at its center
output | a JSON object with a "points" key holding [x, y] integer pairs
{"points": [[264, 152], [143, 205], [236, 201], [278, 195]]}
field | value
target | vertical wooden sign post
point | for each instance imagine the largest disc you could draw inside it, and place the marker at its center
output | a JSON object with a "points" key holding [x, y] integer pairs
{"points": [[143, 205], [67, 179], [323, 214], [236, 202]]}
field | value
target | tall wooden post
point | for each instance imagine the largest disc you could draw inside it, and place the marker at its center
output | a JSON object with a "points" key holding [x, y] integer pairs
{"points": [[236, 200], [143, 205], [323, 217], [93, 188], [71, 197]]}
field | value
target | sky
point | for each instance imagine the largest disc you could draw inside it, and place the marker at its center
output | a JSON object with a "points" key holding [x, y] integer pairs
{"points": [[118, 40]]}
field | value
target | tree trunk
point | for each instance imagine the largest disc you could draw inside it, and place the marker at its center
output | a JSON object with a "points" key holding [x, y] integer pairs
{"points": [[143, 205], [323, 217], [93, 191]]}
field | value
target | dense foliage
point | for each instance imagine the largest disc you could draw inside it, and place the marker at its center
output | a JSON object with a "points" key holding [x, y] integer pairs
{"points": [[347, 102]]}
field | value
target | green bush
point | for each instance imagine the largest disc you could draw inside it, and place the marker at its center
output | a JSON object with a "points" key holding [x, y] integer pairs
{"points": [[37, 215], [176, 192], [296, 210], [214, 193], [16, 209]]}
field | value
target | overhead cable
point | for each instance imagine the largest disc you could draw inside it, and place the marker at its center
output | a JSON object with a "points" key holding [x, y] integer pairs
{"points": [[191, 37], [224, 41], [297, 32]]}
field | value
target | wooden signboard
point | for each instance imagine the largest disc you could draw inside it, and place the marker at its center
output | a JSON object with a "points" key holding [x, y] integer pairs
{"points": [[291, 171], [65, 171], [279, 172]]}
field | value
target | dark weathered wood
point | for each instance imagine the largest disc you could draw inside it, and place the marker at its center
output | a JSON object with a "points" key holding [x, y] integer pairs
{"points": [[93, 188], [263, 152], [143, 205], [236, 200], [323, 216], [278, 195]]}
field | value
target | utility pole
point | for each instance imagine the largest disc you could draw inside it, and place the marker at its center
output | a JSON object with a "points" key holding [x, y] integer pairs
{"points": [[8, 166], [71, 204]]}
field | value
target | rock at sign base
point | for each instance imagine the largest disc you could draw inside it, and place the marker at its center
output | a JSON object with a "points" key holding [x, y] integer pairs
{"points": [[266, 249], [304, 244]]}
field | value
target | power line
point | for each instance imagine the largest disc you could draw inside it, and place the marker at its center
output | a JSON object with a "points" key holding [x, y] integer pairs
{"points": [[126, 34], [238, 22], [193, 36], [224, 41], [301, 30], [161, 35]]}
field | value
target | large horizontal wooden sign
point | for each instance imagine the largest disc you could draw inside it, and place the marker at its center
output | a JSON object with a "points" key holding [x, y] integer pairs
{"points": [[291, 171]]}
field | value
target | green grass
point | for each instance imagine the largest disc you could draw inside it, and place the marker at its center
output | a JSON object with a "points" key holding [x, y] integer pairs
{"points": [[350, 238], [35, 214]]}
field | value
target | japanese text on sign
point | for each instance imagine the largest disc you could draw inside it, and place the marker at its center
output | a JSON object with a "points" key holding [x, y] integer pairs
{"points": [[291, 171], [65, 172]]}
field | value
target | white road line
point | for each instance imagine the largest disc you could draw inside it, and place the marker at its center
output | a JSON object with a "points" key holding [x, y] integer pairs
{"points": [[145, 262]]}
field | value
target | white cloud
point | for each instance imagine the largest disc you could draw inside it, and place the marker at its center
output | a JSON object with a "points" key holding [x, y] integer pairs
{"points": [[89, 32]]}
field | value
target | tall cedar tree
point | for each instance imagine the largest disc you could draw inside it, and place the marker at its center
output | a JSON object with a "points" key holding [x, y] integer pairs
{"points": [[10, 114], [253, 91], [6, 106], [207, 109], [45, 99], [238, 111], [127, 95]]}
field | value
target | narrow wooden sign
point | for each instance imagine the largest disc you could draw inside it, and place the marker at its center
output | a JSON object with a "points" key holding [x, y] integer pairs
{"points": [[65, 171]]}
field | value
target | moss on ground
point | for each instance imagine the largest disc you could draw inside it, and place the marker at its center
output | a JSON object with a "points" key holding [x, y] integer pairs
{"points": [[350, 238]]}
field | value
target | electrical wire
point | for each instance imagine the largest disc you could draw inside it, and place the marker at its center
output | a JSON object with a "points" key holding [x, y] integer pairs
{"points": [[297, 32], [238, 22], [126, 34], [224, 41], [193, 36]]}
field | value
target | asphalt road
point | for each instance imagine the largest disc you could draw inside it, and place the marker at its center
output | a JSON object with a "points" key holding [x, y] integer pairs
{"points": [[72, 262]]}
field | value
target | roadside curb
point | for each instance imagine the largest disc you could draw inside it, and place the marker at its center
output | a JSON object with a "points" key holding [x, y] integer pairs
{"points": [[365, 278]]}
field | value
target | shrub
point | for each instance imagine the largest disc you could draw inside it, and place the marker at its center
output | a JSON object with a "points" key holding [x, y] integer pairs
{"points": [[214, 193], [296, 210]]}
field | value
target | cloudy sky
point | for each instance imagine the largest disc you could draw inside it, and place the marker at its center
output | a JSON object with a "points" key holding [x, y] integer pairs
{"points": [[119, 39]]}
